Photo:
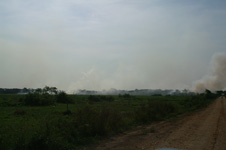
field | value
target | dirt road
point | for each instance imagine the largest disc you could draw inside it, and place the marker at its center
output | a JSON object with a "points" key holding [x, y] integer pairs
{"points": [[203, 130]]}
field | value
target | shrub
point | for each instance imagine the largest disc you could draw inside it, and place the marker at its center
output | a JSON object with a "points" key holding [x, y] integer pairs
{"points": [[94, 98], [37, 143], [197, 102], [91, 123], [156, 111], [99, 98], [109, 121], [36, 99], [67, 112], [19, 112], [125, 95], [63, 98]]}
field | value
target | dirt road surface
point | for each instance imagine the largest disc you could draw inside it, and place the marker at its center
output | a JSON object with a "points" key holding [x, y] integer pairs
{"points": [[202, 130]]}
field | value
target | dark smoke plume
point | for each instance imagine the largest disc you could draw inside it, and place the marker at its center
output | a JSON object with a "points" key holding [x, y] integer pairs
{"points": [[216, 80]]}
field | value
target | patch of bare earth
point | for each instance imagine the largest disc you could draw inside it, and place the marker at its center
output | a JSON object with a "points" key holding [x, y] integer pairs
{"points": [[203, 130]]}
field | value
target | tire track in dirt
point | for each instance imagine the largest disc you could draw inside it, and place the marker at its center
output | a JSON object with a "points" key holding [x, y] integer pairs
{"points": [[220, 143], [217, 128], [196, 131], [203, 130]]}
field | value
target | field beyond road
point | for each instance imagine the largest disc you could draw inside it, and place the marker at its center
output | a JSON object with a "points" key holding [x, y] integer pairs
{"points": [[67, 122], [202, 130]]}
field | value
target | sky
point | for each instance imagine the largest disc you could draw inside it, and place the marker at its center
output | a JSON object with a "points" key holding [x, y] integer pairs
{"points": [[103, 44]]}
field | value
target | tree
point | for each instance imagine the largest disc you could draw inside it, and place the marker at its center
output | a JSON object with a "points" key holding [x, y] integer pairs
{"points": [[41, 97], [47, 90], [37, 99], [208, 92], [63, 98], [185, 91], [220, 93], [38, 90], [53, 90]]}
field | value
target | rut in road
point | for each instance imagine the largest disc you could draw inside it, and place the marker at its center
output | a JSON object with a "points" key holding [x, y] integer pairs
{"points": [[220, 143], [203, 130]]}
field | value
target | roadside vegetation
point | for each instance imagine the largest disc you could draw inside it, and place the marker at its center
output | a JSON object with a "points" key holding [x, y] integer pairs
{"points": [[48, 119]]}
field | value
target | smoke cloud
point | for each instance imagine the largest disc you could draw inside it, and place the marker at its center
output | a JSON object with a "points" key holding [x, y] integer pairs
{"points": [[121, 44], [216, 79]]}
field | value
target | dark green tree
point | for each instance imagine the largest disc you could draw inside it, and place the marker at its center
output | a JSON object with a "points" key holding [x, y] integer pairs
{"points": [[53, 90], [208, 92], [62, 97]]}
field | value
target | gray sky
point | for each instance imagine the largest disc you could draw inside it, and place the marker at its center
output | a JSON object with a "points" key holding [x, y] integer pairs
{"points": [[103, 44]]}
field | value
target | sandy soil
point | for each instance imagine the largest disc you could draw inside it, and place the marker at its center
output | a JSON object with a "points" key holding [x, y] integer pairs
{"points": [[203, 130]]}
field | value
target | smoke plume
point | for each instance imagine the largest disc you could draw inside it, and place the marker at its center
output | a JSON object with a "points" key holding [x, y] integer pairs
{"points": [[216, 79]]}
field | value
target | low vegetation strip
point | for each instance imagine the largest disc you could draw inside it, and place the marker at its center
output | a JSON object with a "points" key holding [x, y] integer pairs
{"points": [[59, 121]]}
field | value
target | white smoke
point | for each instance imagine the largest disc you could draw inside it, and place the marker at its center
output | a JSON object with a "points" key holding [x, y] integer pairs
{"points": [[216, 79]]}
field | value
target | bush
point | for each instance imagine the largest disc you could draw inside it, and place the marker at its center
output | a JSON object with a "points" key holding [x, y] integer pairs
{"points": [[94, 98], [67, 112], [49, 137], [125, 96], [36, 99], [99, 98], [49, 129], [63, 98], [91, 123], [156, 111], [19, 112], [109, 121], [197, 102]]}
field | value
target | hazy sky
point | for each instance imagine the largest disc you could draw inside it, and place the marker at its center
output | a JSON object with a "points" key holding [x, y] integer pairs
{"points": [[103, 44]]}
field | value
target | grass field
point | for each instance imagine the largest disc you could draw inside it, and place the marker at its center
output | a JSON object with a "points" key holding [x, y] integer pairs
{"points": [[90, 118]]}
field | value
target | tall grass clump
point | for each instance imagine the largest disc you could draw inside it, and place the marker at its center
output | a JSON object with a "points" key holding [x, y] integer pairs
{"points": [[197, 102], [97, 123], [30, 126], [156, 111], [37, 99]]}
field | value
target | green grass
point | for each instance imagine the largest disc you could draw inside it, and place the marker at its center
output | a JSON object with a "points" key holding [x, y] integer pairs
{"points": [[25, 127]]}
